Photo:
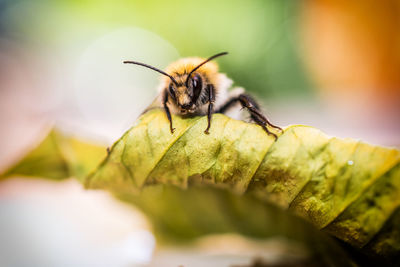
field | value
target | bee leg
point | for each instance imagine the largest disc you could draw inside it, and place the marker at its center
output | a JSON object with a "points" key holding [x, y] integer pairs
{"points": [[227, 105], [255, 109], [262, 123], [255, 113], [211, 100], [165, 100]]}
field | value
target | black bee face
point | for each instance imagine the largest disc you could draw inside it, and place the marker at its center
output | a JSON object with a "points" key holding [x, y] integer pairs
{"points": [[185, 95]]}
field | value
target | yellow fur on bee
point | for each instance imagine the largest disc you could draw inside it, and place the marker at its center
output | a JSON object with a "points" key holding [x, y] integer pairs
{"points": [[182, 67]]}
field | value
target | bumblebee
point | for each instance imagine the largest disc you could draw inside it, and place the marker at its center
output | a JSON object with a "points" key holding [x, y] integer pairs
{"points": [[193, 86]]}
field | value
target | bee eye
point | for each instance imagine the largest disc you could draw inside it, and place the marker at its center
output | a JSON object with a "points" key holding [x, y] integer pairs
{"points": [[196, 84], [171, 90]]}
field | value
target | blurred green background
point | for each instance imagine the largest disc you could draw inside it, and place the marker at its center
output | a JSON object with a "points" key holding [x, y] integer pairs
{"points": [[331, 64], [260, 35]]}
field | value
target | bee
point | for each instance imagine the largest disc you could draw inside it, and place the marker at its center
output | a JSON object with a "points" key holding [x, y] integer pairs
{"points": [[194, 87]]}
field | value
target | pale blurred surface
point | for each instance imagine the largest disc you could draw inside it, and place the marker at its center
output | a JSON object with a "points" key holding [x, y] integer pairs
{"points": [[45, 223]]}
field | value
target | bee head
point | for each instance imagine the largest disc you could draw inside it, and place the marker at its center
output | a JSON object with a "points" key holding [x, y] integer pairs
{"points": [[185, 94], [185, 87]]}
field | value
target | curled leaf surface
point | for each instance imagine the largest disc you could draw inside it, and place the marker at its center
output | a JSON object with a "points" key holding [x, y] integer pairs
{"points": [[345, 187], [57, 157]]}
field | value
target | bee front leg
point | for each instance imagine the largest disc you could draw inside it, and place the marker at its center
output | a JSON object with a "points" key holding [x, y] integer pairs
{"points": [[211, 101], [165, 101]]}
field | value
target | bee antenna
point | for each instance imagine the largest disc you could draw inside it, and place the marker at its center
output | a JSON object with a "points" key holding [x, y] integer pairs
{"points": [[204, 62], [153, 68]]}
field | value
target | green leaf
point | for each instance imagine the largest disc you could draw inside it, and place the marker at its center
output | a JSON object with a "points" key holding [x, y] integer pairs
{"points": [[191, 184], [345, 187], [58, 157], [181, 215]]}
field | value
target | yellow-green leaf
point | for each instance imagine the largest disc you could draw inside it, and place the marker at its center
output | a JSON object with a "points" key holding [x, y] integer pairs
{"points": [[58, 157], [345, 187], [191, 184]]}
